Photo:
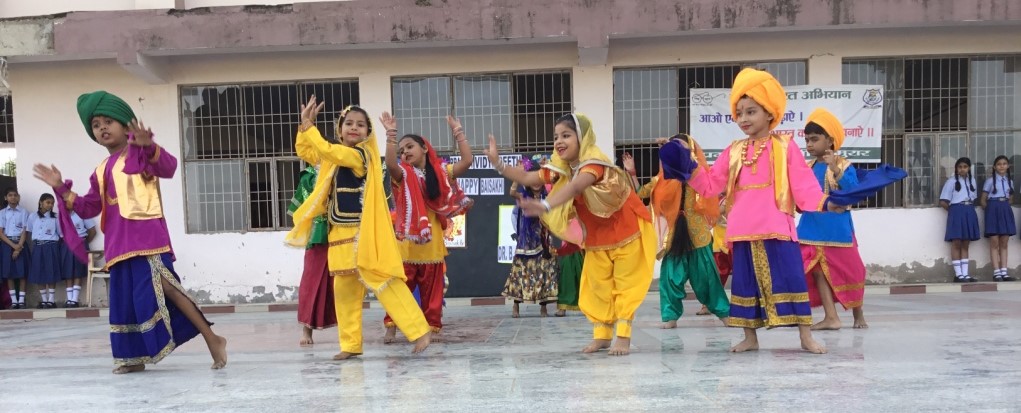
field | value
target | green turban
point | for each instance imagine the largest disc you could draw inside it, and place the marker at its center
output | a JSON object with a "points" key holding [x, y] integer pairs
{"points": [[101, 103]]}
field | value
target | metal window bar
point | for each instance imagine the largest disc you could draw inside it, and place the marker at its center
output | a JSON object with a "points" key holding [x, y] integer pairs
{"points": [[518, 108], [654, 102], [646, 157], [6, 119], [227, 128]]}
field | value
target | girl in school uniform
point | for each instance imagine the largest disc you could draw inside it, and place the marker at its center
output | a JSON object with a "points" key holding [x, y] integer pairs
{"points": [[958, 198], [997, 192], [72, 269], [45, 268], [13, 255]]}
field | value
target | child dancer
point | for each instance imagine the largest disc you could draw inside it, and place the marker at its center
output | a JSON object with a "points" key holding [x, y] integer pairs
{"points": [[72, 268], [13, 255], [45, 269], [533, 276], [315, 290], [765, 177], [150, 312], [570, 260], [958, 198], [619, 240], [363, 252], [997, 192], [685, 220], [427, 197], [833, 267]]}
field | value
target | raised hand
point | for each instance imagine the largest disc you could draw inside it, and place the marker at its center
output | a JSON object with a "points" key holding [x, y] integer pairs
{"points": [[629, 162], [142, 135], [491, 152], [310, 110], [454, 123], [48, 174], [662, 141], [389, 121]]}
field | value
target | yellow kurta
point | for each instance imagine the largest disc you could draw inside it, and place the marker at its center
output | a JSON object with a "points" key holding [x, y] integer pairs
{"points": [[362, 256]]}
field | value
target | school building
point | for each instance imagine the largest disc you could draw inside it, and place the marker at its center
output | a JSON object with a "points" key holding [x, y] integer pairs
{"points": [[220, 82]]}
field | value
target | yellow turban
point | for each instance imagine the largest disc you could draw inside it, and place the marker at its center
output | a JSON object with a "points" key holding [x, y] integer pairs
{"points": [[764, 89], [830, 124]]}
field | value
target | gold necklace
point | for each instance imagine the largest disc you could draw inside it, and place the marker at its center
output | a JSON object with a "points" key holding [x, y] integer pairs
{"points": [[754, 162]]}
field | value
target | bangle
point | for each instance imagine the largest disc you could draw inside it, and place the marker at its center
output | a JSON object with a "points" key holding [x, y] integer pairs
{"points": [[499, 168], [391, 141], [545, 204]]}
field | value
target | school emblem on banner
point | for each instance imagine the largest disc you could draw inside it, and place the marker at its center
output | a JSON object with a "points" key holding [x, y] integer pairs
{"points": [[873, 98]]}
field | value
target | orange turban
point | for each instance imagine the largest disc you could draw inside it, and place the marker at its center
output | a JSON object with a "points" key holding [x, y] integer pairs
{"points": [[764, 89], [830, 124]]}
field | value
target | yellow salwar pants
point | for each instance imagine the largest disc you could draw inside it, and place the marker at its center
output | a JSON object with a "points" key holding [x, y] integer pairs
{"points": [[614, 282], [349, 294]]}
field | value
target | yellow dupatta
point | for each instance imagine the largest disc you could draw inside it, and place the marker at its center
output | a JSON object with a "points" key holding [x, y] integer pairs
{"points": [[378, 253], [603, 198]]}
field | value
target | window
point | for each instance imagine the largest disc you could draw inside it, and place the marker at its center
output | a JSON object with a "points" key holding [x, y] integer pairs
{"points": [[938, 110], [6, 120], [519, 109], [649, 103], [240, 166]]}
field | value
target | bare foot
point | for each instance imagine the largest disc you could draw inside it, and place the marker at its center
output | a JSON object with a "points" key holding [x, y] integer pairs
{"points": [[516, 312], [669, 324], [827, 324], [595, 346], [561, 313], [543, 312], [621, 347], [422, 343], [129, 369], [218, 349], [703, 311], [859, 318], [748, 344], [809, 344], [306, 337], [343, 355], [724, 320], [391, 335]]}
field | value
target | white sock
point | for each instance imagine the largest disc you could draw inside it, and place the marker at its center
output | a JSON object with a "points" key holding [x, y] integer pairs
{"points": [[52, 294], [14, 295], [77, 291], [42, 295], [964, 267], [70, 293], [957, 268], [1003, 272], [21, 298]]}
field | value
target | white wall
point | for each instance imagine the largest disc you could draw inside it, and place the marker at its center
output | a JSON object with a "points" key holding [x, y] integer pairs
{"points": [[27, 8], [230, 265]]}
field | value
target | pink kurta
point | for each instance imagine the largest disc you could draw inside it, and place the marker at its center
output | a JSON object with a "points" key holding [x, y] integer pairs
{"points": [[125, 238], [755, 215]]}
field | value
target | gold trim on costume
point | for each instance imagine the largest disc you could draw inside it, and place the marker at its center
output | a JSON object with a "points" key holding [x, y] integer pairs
{"points": [[790, 298], [826, 244], [135, 361], [132, 254], [350, 271], [733, 321], [848, 287], [350, 190], [568, 307], [341, 242], [760, 237], [136, 328], [626, 241], [744, 301], [755, 186], [764, 276], [156, 156], [69, 198]]}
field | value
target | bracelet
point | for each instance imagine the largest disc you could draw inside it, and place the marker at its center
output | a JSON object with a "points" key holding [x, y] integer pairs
{"points": [[391, 141], [545, 204], [499, 168]]}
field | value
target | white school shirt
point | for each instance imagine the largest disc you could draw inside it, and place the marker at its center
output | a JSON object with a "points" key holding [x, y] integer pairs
{"points": [[44, 228], [964, 195], [82, 226], [1001, 184], [14, 221]]}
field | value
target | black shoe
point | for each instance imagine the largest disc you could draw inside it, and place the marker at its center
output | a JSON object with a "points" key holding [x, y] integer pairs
{"points": [[960, 279], [74, 304], [970, 279], [997, 277], [1008, 278]]}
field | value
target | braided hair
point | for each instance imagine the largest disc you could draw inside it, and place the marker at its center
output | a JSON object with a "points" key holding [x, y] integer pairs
{"points": [[39, 211], [1010, 178], [957, 186]]}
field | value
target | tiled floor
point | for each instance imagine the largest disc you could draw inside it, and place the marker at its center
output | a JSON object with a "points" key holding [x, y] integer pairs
{"points": [[932, 352]]}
